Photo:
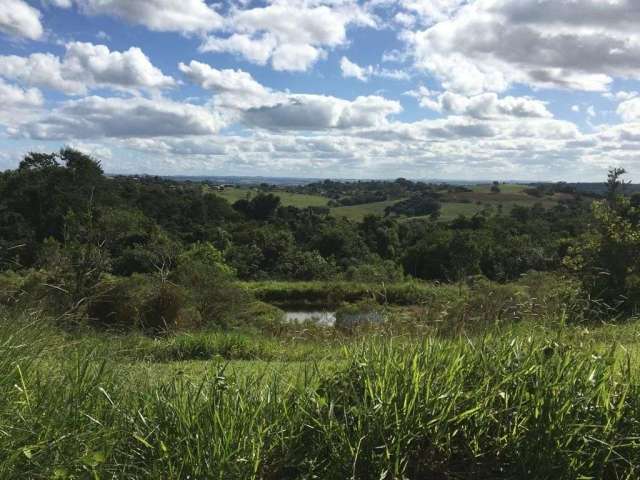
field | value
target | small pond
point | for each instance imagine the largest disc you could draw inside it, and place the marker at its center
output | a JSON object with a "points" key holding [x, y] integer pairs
{"points": [[324, 318], [327, 318]]}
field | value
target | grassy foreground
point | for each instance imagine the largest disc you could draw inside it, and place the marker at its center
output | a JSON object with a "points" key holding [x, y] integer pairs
{"points": [[527, 402]]}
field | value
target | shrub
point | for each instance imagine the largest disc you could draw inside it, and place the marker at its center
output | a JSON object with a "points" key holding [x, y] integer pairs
{"points": [[116, 304], [208, 285], [161, 310]]}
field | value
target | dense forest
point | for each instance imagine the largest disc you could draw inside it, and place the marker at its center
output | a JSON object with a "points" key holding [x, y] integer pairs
{"points": [[64, 200]]}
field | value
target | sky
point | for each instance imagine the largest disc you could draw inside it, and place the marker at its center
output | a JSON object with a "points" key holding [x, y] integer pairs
{"points": [[538, 90]]}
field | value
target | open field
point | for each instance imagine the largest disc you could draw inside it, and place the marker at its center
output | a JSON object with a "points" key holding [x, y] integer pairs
{"points": [[358, 212], [233, 194], [454, 204], [504, 187]]}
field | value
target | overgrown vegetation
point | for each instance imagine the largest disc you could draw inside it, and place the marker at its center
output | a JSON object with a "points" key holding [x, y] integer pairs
{"points": [[505, 405]]}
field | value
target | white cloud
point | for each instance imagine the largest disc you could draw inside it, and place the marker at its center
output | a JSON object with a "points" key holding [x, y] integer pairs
{"points": [[313, 112], [187, 16], [575, 108], [255, 49], [295, 57], [60, 3], [404, 19], [351, 69], [260, 106], [100, 117], [621, 95], [629, 110], [292, 35], [83, 67], [19, 19], [431, 11], [486, 105], [459, 147], [40, 69], [235, 89], [14, 96], [488, 45], [18, 104]]}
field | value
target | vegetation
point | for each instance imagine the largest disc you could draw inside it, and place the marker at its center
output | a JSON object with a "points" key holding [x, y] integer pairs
{"points": [[142, 331], [385, 408]]}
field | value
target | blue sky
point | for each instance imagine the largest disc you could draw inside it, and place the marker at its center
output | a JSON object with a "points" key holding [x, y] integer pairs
{"points": [[453, 89]]}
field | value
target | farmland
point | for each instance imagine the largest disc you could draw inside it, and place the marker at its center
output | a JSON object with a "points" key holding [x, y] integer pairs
{"points": [[453, 204]]}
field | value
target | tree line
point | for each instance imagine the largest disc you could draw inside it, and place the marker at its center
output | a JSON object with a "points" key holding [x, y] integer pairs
{"points": [[60, 211]]}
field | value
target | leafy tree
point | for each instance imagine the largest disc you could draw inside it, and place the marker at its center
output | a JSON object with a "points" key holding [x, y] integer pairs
{"points": [[607, 257], [418, 205], [261, 207]]}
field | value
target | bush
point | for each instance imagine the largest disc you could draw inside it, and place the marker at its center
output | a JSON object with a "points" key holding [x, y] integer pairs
{"points": [[141, 301], [161, 310], [376, 272], [208, 285], [116, 305]]}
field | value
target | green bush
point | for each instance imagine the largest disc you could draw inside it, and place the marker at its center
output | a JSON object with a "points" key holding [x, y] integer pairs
{"points": [[116, 304], [161, 310], [208, 285]]}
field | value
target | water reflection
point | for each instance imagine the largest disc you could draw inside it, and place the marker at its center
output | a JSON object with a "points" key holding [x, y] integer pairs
{"points": [[319, 317]]}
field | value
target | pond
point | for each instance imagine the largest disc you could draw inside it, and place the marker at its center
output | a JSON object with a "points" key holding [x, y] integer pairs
{"points": [[327, 318], [324, 318]]}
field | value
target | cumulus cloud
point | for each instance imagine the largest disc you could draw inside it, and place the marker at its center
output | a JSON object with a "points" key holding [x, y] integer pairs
{"points": [[431, 11], [260, 106], [292, 35], [351, 69], [312, 112], [235, 89], [483, 106], [488, 45], [621, 95], [14, 96], [85, 66], [18, 104], [474, 52], [629, 110], [458, 147], [19, 19], [187, 16], [100, 117]]}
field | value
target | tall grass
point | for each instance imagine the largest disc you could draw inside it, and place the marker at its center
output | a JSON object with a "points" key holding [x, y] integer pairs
{"points": [[508, 406]]}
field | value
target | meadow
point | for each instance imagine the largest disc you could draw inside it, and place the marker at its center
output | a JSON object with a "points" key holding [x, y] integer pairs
{"points": [[534, 399], [453, 204], [233, 194]]}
